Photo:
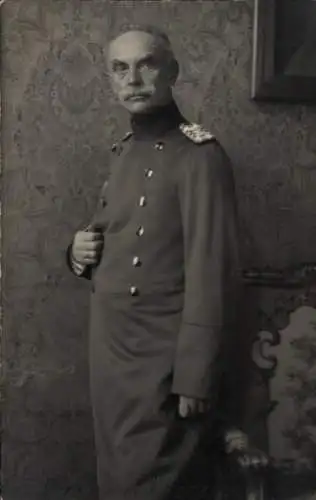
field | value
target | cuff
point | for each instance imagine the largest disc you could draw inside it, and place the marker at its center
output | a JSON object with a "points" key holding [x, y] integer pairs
{"points": [[77, 268]]}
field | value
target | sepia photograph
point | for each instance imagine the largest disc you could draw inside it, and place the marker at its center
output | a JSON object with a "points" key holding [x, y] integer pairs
{"points": [[158, 250]]}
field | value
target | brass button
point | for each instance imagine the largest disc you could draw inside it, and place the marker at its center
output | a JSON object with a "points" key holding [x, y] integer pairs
{"points": [[136, 261], [149, 172], [142, 201], [133, 290], [140, 231], [159, 146]]}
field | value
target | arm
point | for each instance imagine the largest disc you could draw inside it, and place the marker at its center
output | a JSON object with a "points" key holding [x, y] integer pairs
{"points": [[212, 274]]}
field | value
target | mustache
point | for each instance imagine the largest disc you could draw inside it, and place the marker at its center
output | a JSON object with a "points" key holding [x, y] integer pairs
{"points": [[131, 95]]}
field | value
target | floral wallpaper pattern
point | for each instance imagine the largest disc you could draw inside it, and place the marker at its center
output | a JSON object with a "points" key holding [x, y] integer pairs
{"points": [[59, 121]]}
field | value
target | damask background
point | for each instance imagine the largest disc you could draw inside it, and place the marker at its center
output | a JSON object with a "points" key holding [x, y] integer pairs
{"points": [[59, 121]]}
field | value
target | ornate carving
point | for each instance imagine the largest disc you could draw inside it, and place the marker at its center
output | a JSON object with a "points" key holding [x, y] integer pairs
{"points": [[264, 359]]}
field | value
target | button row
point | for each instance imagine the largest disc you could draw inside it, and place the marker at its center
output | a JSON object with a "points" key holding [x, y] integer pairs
{"points": [[140, 231]]}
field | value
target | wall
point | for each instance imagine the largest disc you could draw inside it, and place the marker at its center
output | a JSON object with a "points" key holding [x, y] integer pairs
{"points": [[59, 122]]}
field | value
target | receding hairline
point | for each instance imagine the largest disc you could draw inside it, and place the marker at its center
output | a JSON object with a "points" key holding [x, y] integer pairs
{"points": [[161, 38]]}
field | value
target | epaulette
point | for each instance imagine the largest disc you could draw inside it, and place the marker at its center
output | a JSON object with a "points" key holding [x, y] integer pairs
{"points": [[117, 146], [196, 132]]}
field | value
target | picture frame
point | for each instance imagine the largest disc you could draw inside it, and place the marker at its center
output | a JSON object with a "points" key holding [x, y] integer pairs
{"points": [[289, 79]]}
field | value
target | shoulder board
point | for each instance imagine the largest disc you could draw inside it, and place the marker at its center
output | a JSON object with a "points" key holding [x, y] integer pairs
{"points": [[117, 146], [196, 133]]}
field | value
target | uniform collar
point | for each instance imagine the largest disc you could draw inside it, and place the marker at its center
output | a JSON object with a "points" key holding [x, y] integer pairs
{"points": [[155, 124]]}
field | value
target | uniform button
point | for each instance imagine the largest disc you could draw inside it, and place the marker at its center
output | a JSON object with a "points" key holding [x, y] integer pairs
{"points": [[133, 290], [136, 261], [140, 231], [159, 146], [142, 201], [149, 172], [104, 203]]}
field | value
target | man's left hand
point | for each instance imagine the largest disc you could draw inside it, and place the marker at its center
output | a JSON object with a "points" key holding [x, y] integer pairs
{"points": [[191, 407]]}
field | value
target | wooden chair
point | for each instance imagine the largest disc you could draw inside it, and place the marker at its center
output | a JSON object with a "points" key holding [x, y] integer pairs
{"points": [[243, 472], [247, 473]]}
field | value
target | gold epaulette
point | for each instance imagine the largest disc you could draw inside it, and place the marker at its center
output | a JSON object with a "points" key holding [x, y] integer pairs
{"points": [[196, 133]]}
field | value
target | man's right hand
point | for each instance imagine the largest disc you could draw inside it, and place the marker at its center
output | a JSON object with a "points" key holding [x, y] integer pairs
{"points": [[87, 246]]}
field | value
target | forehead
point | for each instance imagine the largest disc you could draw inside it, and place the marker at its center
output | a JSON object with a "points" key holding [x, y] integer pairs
{"points": [[133, 45]]}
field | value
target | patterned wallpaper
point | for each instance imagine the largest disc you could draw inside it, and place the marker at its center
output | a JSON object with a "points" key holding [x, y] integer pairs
{"points": [[59, 120]]}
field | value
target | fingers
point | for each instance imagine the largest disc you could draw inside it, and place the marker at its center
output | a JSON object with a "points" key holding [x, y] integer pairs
{"points": [[90, 236], [183, 407], [190, 407], [87, 247], [88, 256], [94, 228], [187, 406]]}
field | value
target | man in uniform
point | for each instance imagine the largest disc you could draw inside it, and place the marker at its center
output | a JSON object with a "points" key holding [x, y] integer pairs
{"points": [[161, 252]]}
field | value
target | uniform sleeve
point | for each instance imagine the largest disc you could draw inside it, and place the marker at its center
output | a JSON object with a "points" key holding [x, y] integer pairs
{"points": [[212, 271]]}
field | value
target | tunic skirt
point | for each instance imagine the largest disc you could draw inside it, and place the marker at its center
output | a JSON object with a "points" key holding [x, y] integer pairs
{"points": [[145, 451]]}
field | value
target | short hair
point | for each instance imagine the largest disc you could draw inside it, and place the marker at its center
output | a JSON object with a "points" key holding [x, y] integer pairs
{"points": [[158, 34]]}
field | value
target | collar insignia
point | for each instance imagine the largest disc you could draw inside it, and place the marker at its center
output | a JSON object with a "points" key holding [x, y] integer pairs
{"points": [[117, 147], [127, 136]]}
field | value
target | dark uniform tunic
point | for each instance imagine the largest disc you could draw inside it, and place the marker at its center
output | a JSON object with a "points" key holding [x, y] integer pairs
{"points": [[162, 306]]}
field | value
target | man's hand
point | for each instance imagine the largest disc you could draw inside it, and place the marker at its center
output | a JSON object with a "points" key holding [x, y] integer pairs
{"points": [[87, 246], [191, 407]]}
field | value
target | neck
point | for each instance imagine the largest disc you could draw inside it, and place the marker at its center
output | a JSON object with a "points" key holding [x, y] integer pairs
{"points": [[157, 121]]}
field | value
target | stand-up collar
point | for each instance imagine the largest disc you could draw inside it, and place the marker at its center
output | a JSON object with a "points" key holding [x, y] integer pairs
{"points": [[156, 123]]}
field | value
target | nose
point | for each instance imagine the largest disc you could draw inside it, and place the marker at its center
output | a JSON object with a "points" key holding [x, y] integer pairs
{"points": [[133, 77]]}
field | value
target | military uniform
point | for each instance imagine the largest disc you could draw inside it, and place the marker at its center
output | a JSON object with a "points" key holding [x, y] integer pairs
{"points": [[163, 305]]}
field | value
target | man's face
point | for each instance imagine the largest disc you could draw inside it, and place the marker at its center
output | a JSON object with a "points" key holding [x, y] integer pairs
{"points": [[141, 72]]}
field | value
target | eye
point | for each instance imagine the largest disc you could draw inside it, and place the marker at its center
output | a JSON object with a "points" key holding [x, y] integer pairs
{"points": [[119, 67], [149, 63]]}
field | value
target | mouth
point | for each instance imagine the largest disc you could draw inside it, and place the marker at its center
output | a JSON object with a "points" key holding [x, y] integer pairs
{"points": [[137, 98]]}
